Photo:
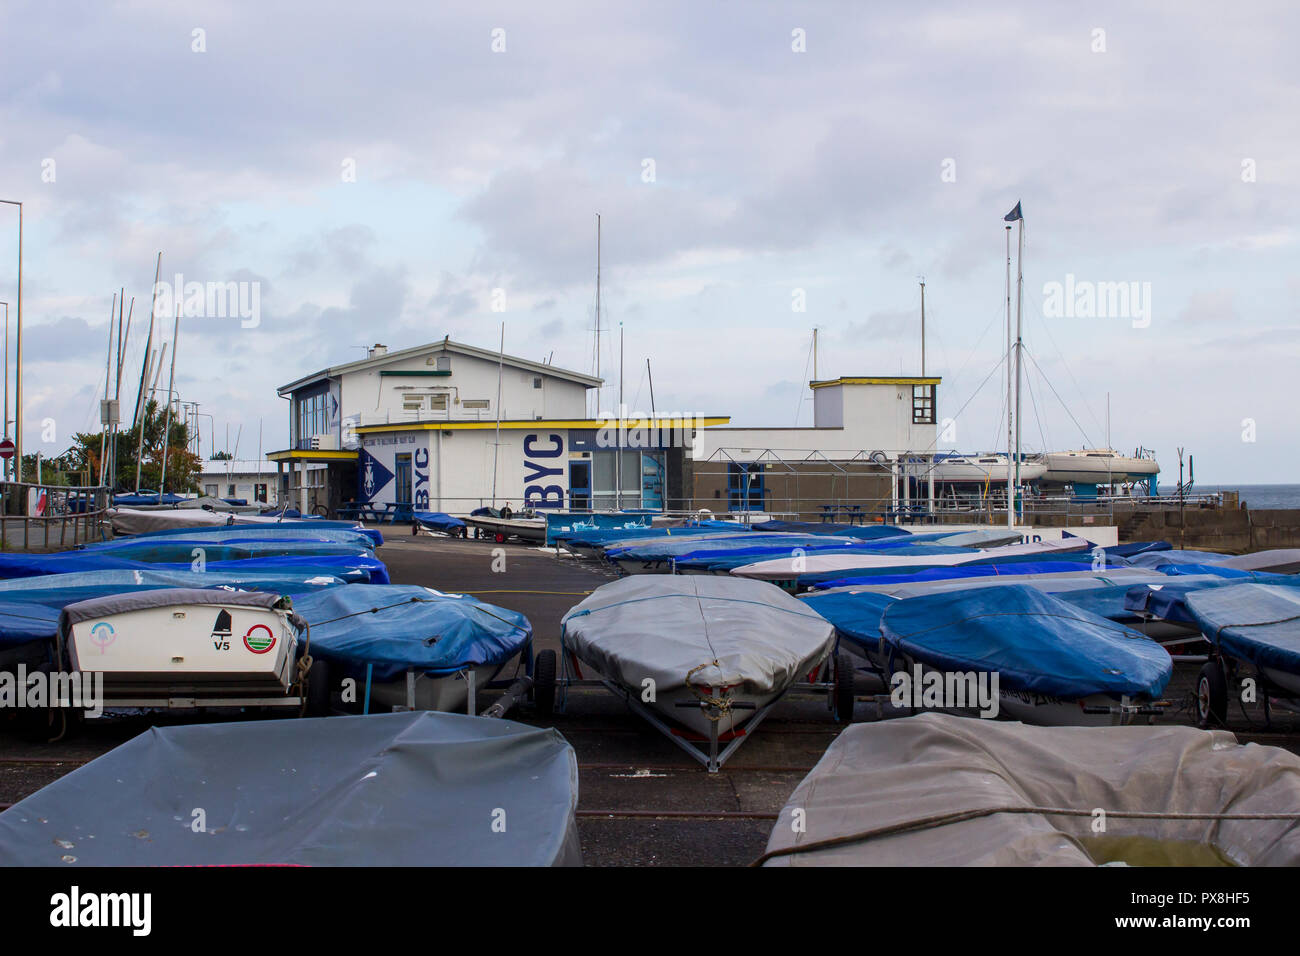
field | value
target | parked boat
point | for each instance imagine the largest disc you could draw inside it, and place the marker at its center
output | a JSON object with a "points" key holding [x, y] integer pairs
{"points": [[936, 790], [988, 469], [500, 525], [409, 647], [713, 653], [409, 789], [1097, 466]]}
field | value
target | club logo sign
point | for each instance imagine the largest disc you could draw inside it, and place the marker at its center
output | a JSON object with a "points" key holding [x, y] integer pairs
{"points": [[259, 639], [102, 635]]}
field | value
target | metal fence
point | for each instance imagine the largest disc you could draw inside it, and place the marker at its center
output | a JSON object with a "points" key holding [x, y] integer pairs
{"points": [[50, 517]]}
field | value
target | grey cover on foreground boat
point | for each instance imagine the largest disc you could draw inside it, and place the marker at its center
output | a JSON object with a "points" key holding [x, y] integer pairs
{"points": [[136, 521], [407, 789], [903, 772], [722, 632]]}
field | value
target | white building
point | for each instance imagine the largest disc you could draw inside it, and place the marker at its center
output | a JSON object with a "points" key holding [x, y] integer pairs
{"points": [[451, 427], [253, 481]]}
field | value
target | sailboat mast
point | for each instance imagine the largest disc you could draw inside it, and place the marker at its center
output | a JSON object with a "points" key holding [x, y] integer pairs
{"points": [[923, 326], [496, 445], [1020, 295], [1010, 408], [167, 418], [598, 388]]}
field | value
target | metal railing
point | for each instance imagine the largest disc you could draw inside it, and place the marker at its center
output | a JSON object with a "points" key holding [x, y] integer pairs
{"points": [[50, 517]]}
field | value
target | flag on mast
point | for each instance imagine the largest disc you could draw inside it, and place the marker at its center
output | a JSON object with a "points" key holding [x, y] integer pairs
{"points": [[1013, 215]]}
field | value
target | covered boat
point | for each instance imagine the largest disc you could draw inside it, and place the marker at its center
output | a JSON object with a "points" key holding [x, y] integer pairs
{"points": [[714, 652], [410, 646], [408, 789], [1056, 663], [936, 790]]}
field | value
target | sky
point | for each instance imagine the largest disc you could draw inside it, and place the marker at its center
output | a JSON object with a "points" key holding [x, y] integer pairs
{"points": [[397, 172]]}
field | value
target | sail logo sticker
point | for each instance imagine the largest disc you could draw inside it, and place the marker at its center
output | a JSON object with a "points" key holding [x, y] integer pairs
{"points": [[259, 639], [102, 635], [221, 631]]}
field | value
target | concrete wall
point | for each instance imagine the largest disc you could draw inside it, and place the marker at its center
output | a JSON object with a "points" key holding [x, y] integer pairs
{"points": [[1228, 530]]}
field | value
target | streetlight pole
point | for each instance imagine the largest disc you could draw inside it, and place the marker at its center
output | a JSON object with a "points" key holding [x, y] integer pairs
{"points": [[6, 423], [18, 352]]}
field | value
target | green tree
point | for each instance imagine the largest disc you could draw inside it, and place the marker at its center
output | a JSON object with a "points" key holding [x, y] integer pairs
{"points": [[182, 466]]}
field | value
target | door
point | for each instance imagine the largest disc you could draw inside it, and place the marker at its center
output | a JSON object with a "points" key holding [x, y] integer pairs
{"points": [[402, 479], [579, 485]]}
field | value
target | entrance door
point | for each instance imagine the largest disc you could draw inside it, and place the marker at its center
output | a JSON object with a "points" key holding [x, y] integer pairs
{"points": [[579, 485], [402, 479]]}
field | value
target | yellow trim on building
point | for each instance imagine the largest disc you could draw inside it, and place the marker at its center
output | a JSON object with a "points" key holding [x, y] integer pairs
{"points": [[889, 380], [306, 454], [571, 423]]}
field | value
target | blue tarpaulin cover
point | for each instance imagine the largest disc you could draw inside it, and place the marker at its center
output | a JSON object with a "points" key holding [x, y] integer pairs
{"points": [[1034, 641], [359, 569], [974, 569], [58, 590], [414, 627], [21, 621], [856, 616], [1154, 559], [439, 521], [560, 525], [1259, 623], [863, 532], [181, 550]]}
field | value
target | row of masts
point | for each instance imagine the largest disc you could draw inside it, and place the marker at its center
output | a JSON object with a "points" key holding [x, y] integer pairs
{"points": [[119, 336]]}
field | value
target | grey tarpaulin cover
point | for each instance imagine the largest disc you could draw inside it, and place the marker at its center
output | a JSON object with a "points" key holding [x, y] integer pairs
{"points": [[407, 789], [666, 626], [910, 769]]}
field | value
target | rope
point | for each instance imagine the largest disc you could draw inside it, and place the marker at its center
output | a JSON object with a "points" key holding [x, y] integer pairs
{"points": [[960, 816], [719, 707]]}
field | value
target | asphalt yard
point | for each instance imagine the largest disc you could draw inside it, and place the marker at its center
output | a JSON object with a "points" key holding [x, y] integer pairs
{"points": [[643, 802]]}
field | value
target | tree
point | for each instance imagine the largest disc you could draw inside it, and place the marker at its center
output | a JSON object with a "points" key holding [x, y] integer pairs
{"points": [[222, 456], [183, 467]]}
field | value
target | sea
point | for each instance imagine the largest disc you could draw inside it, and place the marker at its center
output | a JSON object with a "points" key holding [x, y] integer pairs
{"points": [[1257, 497]]}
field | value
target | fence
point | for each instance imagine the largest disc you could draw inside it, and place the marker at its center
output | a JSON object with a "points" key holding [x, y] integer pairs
{"points": [[49, 517]]}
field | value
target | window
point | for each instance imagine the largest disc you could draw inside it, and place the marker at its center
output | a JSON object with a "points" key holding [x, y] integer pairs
{"points": [[230, 491], [922, 404], [475, 403], [313, 419], [210, 490], [537, 382], [259, 492]]}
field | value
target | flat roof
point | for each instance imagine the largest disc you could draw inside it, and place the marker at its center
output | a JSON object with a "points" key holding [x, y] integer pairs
{"points": [[307, 454], [659, 421], [878, 380]]}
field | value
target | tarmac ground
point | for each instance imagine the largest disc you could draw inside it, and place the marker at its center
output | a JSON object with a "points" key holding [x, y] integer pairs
{"points": [[642, 801]]}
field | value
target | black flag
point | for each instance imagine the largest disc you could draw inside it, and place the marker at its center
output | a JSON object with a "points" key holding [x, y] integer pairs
{"points": [[1013, 215]]}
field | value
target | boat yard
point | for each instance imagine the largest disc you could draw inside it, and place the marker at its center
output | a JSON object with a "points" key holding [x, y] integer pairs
{"points": [[642, 801]]}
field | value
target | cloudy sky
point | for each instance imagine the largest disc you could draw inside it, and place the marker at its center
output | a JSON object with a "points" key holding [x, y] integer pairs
{"points": [[381, 168]]}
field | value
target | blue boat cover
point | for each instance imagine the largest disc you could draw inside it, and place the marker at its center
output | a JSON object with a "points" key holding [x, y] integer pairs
{"points": [[21, 621], [1034, 641], [855, 616], [1154, 559], [347, 532], [863, 532], [600, 537], [181, 550], [64, 562], [59, 590], [974, 569], [1259, 623], [397, 626], [439, 521], [1134, 548]]}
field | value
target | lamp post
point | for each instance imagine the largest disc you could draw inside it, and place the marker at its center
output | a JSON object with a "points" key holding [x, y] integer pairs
{"points": [[18, 353], [6, 422]]}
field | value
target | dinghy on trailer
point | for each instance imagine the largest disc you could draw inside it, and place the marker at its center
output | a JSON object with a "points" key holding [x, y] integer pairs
{"points": [[186, 648], [409, 789], [1055, 663], [716, 653], [936, 790], [410, 647]]}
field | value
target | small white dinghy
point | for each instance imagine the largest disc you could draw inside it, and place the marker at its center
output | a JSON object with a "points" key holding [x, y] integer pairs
{"points": [[708, 654], [187, 647]]}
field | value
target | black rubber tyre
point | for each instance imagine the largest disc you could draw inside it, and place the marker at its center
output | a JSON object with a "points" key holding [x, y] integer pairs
{"points": [[318, 688], [544, 683], [843, 690], [1212, 696]]}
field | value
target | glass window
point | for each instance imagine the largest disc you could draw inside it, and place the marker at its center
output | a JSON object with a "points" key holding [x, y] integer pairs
{"points": [[922, 404]]}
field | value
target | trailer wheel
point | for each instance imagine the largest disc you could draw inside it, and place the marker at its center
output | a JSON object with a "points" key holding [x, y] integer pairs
{"points": [[843, 689], [544, 683], [1211, 696], [318, 688]]}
